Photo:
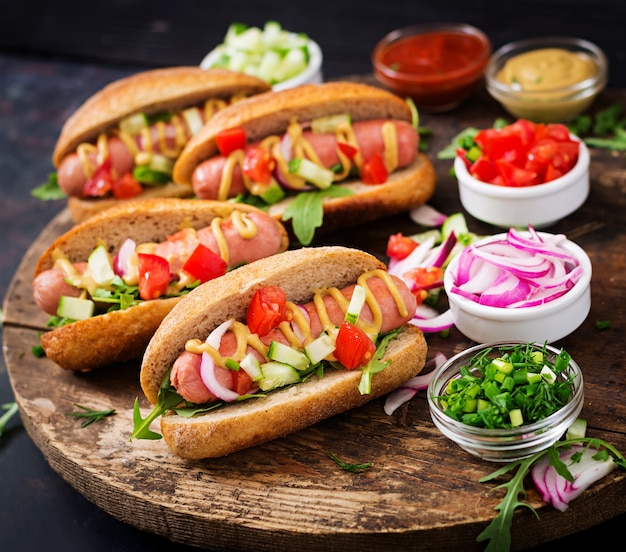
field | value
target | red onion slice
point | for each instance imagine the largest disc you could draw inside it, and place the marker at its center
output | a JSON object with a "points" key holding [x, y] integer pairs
{"points": [[121, 263], [208, 368]]}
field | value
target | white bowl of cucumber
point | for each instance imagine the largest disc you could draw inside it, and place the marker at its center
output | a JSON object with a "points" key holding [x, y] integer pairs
{"points": [[282, 58]]}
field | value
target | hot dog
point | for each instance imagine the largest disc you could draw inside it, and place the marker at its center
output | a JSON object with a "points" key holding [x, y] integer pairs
{"points": [[122, 142], [358, 142], [194, 354], [130, 264]]}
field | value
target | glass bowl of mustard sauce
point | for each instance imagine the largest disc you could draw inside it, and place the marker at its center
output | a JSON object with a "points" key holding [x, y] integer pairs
{"points": [[547, 79]]}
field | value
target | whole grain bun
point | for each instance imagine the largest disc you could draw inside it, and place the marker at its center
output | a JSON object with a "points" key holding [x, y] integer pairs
{"points": [[149, 92], [123, 335], [248, 423], [270, 113]]}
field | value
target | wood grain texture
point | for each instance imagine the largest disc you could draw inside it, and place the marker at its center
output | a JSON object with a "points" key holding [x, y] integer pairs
{"points": [[422, 492]]}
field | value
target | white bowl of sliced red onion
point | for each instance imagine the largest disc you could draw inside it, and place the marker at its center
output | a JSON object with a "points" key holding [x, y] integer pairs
{"points": [[540, 205], [520, 285]]}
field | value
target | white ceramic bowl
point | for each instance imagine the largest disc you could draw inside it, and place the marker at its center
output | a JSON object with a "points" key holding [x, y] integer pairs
{"points": [[540, 205], [548, 322], [502, 445], [311, 75]]}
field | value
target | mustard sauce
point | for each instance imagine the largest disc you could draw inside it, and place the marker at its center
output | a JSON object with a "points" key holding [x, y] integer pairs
{"points": [[297, 319], [302, 148], [546, 69]]}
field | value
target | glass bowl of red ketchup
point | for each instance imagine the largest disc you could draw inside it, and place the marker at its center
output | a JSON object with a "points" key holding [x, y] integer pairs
{"points": [[437, 65]]}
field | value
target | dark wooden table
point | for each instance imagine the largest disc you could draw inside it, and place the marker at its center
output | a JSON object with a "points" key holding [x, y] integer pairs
{"points": [[40, 509]]}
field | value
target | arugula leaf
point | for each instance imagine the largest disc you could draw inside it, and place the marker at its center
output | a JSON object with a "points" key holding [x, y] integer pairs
{"points": [[49, 190], [167, 399], [498, 532], [11, 409], [90, 415], [463, 139], [307, 211], [375, 365]]}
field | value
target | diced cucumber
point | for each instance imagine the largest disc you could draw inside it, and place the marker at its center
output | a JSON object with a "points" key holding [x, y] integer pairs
{"points": [[577, 430], [287, 355], [330, 123], [193, 119], [269, 64], [145, 175], [251, 366], [291, 65], [100, 266], [272, 193], [319, 348], [276, 374], [75, 308], [309, 171], [160, 163], [133, 124], [356, 304]]}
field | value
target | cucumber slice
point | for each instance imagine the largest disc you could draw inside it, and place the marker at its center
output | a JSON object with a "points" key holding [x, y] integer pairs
{"points": [[330, 123], [319, 348], [276, 374], [100, 266], [577, 430], [287, 355], [133, 124], [75, 308], [145, 175], [273, 193], [318, 176], [251, 366], [456, 223], [160, 163], [193, 119]]}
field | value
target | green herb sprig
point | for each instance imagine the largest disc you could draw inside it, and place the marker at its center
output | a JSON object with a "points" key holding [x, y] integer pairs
{"points": [[345, 466], [11, 409], [90, 415]]}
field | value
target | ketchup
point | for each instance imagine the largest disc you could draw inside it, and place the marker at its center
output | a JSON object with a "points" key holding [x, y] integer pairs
{"points": [[433, 54], [438, 68]]}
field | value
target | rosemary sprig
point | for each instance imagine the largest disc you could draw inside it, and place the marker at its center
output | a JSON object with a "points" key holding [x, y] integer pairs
{"points": [[90, 415]]}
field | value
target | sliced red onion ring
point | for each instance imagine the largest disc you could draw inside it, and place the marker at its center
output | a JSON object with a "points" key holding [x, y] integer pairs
{"points": [[207, 366], [439, 323], [121, 263], [427, 215]]}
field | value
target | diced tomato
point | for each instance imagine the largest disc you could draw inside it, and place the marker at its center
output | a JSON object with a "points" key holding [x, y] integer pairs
{"points": [[426, 277], [347, 149], [373, 171], [515, 176], [523, 154], [231, 139], [242, 382], [101, 181], [483, 169], [400, 246], [204, 264], [354, 347], [258, 165], [126, 186], [267, 310], [154, 275]]}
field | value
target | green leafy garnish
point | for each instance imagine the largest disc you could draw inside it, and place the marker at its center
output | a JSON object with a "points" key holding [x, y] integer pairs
{"points": [[90, 415], [347, 467], [49, 190], [498, 532], [375, 365], [606, 130], [307, 211], [11, 409], [603, 324]]}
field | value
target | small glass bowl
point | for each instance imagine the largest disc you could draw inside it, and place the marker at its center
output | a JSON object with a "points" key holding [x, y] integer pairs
{"points": [[556, 104], [548, 322], [540, 205], [502, 445], [433, 91]]}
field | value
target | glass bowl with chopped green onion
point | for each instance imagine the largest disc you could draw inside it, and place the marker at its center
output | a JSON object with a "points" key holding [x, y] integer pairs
{"points": [[505, 401]]}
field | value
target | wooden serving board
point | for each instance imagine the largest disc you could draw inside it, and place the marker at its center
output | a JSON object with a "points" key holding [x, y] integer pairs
{"points": [[421, 492]]}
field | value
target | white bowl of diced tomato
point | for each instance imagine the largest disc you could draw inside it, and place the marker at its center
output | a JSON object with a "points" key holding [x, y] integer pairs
{"points": [[523, 174]]}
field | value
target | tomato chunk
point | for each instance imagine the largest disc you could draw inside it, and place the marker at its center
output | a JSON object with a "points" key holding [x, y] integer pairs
{"points": [[154, 276], [354, 347], [258, 165], [230, 139], [400, 246], [101, 181], [126, 186], [373, 171], [267, 310], [204, 264]]}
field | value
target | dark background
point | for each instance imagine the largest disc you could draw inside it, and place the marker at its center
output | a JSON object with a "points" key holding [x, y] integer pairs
{"points": [[60, 52]]}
